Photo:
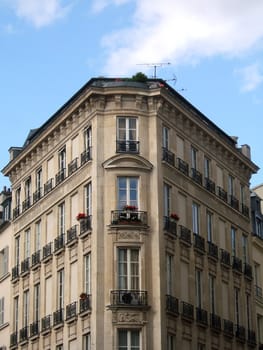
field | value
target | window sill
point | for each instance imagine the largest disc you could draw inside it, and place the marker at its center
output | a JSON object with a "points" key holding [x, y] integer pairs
{"points": [[4, 325], [5, 276]]}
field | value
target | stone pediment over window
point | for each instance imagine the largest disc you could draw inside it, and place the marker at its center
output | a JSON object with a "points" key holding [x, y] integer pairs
{"points": [[128, 161]]}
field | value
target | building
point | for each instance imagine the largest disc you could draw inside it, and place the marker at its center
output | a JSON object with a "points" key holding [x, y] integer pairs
{"points": [[5, 266], [131, 226]]}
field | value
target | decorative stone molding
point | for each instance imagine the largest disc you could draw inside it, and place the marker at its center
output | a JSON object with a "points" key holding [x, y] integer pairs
{"points": [[128, 235]]}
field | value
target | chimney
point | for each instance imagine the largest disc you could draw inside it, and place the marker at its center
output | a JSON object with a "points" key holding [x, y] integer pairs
{"points": [[245, 149]]}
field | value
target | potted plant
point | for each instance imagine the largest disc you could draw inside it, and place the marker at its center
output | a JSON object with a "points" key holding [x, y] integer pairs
{"points": [[81, 216], [174, 216], [130, 207], [83, 296]]}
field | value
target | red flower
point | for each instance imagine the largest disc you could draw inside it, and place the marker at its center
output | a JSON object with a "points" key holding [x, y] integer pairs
{"points": [[174, 216], [81, 216], [129, 207]]}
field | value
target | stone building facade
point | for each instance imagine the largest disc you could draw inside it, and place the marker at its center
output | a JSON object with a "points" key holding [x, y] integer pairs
{"points": [[131, 226]]}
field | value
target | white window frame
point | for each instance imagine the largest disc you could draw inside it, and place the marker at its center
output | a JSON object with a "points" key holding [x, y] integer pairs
{"points": [[62, 159], [4, 259], [87, 273], [28, 187], [196, 218], [230, 185], [129, 333], [212, 292], [209, 223], [167, 189], [87, 138], [207, 168], [37, 236], [61, 218], [198, 287], [60, 289], [37, 302], [88, 198], [16, 313], [127, 191], [86, 342], [39, 175], [194, 153], [126, 130], [169, 273], [127, 280], [165, 137], [233, 241], [237, 305], [26, 308], [2, 311], [27, 248]]}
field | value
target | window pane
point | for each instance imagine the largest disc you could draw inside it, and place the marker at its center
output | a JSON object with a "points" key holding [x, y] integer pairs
{"points": [[123, 344], [135, 340]]}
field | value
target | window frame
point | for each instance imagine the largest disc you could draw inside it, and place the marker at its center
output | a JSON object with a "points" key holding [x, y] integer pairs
{"points": [[127, 191], [126, 279]]}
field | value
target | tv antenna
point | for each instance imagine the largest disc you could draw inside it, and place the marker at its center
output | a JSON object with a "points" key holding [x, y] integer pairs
{"points": [[154, 65]]}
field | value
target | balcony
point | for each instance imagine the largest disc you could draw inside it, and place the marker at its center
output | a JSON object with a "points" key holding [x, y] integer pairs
{"points": [[199, 243], [85, 156], [123, 146], [59, 244], [182, 166], [37, 195], [245, 210], [13, 339], [58, 318], [215, 322], [35, 260], [228, 328], [25, 267], [26, 204], [187, 311], [60, 176], [170, 226], [129, 298], [172, 305], [73, 166], [46, 324], [196, 176], [237, 264], [34, 329], [251, 337], [234, 202], [210, 185], [23, 335], [16, 212], [85, 226], [201, 316], [129, 217], [222, 194], [47, 252], [15, 273], [258, 293], [84, 303], [168, 156], [185, 235], [240, 333], [48, 186], [71, 311], [225, 258], [72, 236], [248, 271], [212, 251]]}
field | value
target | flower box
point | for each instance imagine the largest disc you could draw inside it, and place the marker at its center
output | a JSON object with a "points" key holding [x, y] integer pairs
{"points": [[130, 207], [81, 216], [174, 216]]}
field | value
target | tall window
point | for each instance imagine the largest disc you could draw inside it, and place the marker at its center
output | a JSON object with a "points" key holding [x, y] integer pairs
{"points": [[2, 311], [257, 275], [27, 244], [207, 166], [17, 250], [209, 223], [237, 305], [36, 302], [62, 159], [127, 191], [233, 241], [60, 289], [165, 139], [198, 287], [4, 261], [128, 339], [28, 188], [61, 218], [169, 274], [194, 158], [230, 185], [245, 248], [248, 311], [242, 194], [195, 218], [37, 236], [88, 199], [86, 341], [16, 308], [87, 273], [26, 308], [128, 269], [212, 293], [126, 134], [166, 200], [170, 341], [87, 138], [18, 197], [39, 179]]}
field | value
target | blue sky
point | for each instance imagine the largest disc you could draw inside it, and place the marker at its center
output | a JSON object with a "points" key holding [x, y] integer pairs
{"points": [[50, 48]]}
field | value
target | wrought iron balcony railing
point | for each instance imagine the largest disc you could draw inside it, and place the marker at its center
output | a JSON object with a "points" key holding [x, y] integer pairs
{"points": [[199, 243], [85, 156], [245, 210], [46, 323], [48, 186], [248, 271], [85, 225], [228, 328], [58, 317], [23, 334], [15, 272], [225, 258], [37, 195], [251, 337], [13, 339], [35, 259], [172, 305], [215, 322], [47, 251], [123, 297], [71, 310], [16, 211], [170, 225], [240, 333], [210, 185], [182, 166], [73, 166], [236, 264], [26, 204], [60, 176], [212, 250], [258, 292], [168, 156], [123, 146], [128, 217], [187, 311], [84, 303], [222, 194], [197, 176], [34, 329], [201, 316], [25, 266], [233, 201], [185, 235], [72, 234], [59, 243]]}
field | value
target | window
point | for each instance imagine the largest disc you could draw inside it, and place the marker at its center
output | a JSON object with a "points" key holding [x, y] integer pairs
{"points": [[194, 158], [257, 275], [59, 347], [245, 248], [200, 346], [212, 293], [260, 328], [166, 200], [87, 271], [60, 289], [207, 166], [128, 339], [39, 180], [169, 274], [230, 185], [170, 341], [36, 302], [198, 287], [37, 236], [127, 134], [86, 342], [4, 261], [236, 295], [27, 244], [248, 311], [28, 188], [61, 219], [18, 197], [165, 139], [242, 194], [17, 250], [195, 218], [26, 308], [87, 138], [16, 308], [209, 222], [2, 311], [62, 159], [88, 199], [127, 191], [233, 241], [128, 269]]}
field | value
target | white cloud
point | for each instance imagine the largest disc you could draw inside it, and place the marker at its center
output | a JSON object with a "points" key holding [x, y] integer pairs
{"points": [[99, 5], [40, 12], [251, 75], [183, 31]]}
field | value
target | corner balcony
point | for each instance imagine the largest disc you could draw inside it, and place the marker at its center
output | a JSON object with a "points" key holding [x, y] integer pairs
{"points": [[84, 304], [60, 176], [170, 226], [72, 236], [187, 311], [85, 156], [47, 252], [128, 218], [48, 186], [123, 146], [129, 298], [59, 244], [172, 305], [182, 166], [46, 324], [197, 176], [185, 235], [210, 185], [228, 328], [168, 156]]}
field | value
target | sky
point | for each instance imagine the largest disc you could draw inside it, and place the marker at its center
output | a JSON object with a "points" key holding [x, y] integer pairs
{"points": [[211, 52]]}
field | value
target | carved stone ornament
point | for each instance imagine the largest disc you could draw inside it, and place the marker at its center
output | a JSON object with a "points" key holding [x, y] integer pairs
{"points": [[133, 235], [129, 317]]}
